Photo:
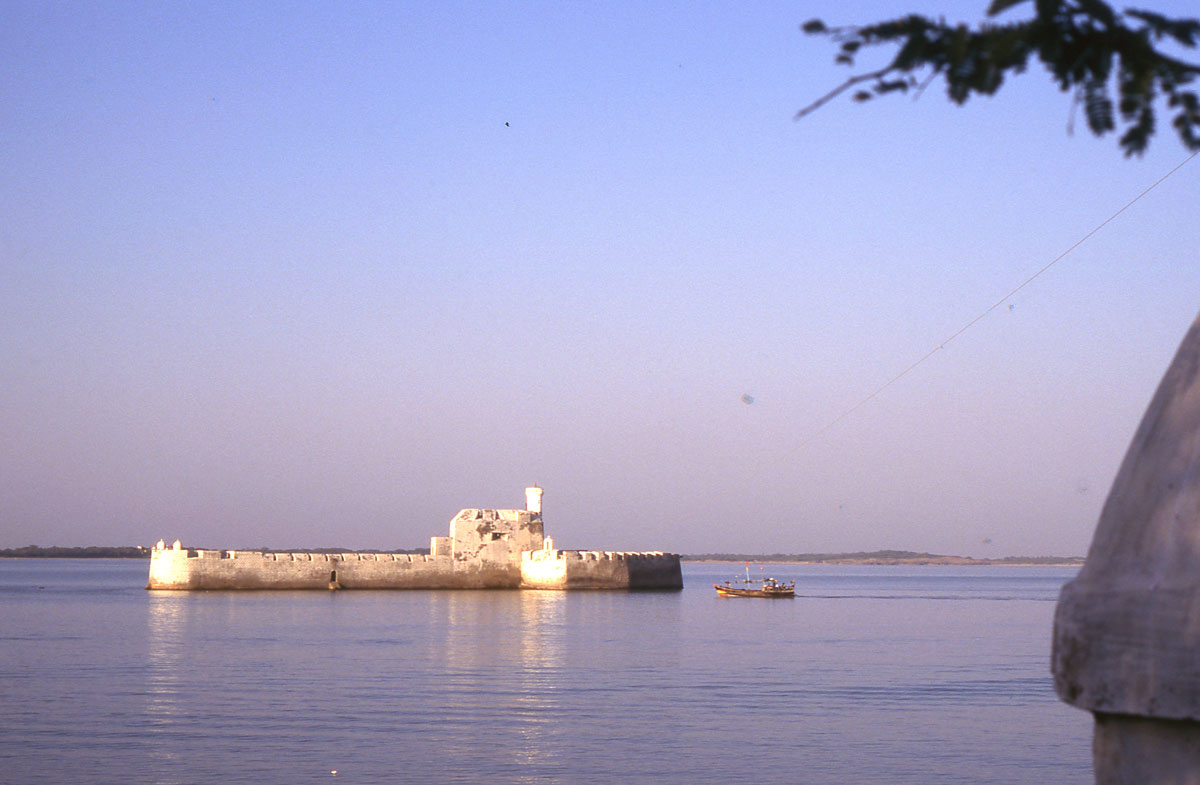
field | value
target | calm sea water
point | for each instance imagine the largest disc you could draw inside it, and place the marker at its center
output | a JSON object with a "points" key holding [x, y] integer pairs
{"points": [[873, 675]]}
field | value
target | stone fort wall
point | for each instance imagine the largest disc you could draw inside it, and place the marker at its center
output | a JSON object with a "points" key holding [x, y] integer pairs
{"points": [[486, 549], [555, 569], [210, 569]]}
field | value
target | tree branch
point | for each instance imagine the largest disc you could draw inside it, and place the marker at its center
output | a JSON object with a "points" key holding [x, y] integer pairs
{"points": [[1090, 50], [835, 92]]}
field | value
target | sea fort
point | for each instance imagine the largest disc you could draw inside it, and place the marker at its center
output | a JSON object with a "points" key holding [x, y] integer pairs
{"points": [[485, 549]]}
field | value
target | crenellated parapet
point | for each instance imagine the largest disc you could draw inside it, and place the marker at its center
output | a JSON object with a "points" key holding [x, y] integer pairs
{"points": [[550, 568], [485, 549], [198, 568]]}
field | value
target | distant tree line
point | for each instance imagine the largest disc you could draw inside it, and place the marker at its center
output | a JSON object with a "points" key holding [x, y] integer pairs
{"points": [[1038, 560], [140, 552], [90, 552], [811, 557]]}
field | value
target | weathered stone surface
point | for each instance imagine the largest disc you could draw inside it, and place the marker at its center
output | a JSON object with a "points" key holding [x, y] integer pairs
{"points": [[1145, 751], [1127, 629]]}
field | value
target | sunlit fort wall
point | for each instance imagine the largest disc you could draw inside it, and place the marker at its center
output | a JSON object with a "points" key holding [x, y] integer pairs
{"points": [[554, 569], [486, 549]]}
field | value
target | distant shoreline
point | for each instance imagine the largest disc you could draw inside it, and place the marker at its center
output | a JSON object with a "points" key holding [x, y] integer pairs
{"points": [[89, 552], [948, 561], [876, 558], [883, 558]]}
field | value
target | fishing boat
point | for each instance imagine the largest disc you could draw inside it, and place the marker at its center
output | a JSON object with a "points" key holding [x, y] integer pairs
{"points": [[767, 587]]}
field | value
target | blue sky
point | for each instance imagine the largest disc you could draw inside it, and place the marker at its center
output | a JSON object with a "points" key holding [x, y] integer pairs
{"points": [[322, 274]]}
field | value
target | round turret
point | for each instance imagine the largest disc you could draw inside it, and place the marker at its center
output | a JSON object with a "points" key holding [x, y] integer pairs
{"points": [[533, 499]]}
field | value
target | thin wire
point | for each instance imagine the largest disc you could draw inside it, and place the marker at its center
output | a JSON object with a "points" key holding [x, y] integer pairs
{"points": [[972, 323]]}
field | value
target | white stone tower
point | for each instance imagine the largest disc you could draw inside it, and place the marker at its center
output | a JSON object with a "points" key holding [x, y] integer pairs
{"points": [[533, 499]]}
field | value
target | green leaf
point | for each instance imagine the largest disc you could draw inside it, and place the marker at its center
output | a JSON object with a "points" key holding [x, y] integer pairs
{"points": [[1185, 31], [1000, 6], [1098, 108], [1098, 10]]}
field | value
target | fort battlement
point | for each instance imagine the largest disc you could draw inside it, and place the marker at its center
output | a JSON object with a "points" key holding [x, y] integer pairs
{"points": [[550, 568], [554, 555], [485, 549], [202, 553]]}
